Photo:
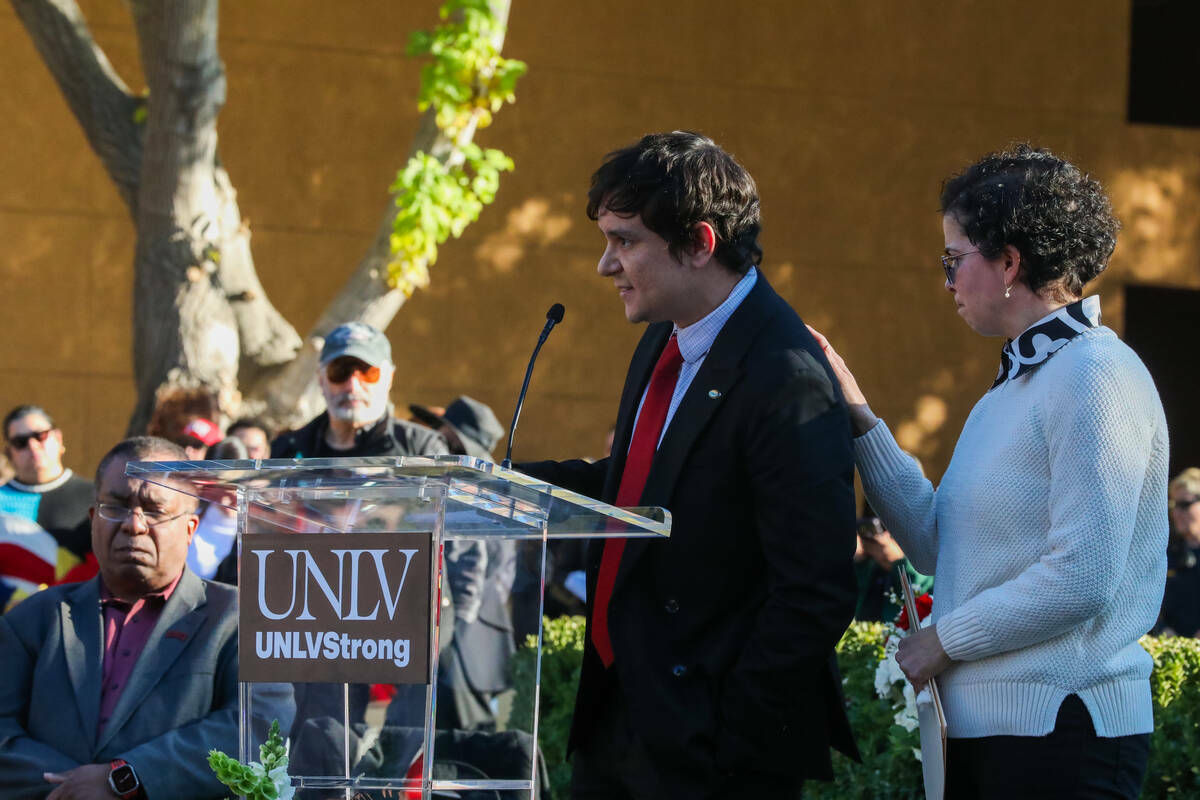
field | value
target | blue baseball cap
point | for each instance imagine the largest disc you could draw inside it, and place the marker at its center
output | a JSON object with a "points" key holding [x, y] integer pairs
{"points": [[357, 340]]}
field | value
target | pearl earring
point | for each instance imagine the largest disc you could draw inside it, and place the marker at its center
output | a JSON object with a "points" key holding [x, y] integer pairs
{"points": [[1008, 291]]}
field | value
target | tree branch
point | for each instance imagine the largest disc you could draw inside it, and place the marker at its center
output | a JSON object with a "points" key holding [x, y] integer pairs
{"points": [[94, 92], [292, 396]]}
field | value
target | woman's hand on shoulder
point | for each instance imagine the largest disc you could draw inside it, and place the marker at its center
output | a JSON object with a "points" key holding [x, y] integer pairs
{"points": [[861, 416]]}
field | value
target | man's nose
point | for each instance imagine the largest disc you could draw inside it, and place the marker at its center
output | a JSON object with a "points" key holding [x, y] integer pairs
{"points": [[135, 523], [609, 265]]}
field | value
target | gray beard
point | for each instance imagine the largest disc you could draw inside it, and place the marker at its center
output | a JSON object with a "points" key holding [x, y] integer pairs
{"points": [[359, 416], [356, 415]]}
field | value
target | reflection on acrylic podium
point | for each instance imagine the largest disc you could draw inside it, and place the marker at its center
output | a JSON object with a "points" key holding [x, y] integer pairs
{"points": [[341, 568]]}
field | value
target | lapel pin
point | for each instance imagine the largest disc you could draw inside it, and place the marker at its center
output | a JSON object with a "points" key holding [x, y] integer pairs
{"points": [[177, 635], [713, 394]]}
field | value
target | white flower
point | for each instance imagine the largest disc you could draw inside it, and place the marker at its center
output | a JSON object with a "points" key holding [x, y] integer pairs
{"points": [[907, 717], [282, 782], [887, 675]]}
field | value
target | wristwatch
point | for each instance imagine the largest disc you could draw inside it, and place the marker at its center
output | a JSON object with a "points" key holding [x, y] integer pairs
{"points": [[123, 780]]}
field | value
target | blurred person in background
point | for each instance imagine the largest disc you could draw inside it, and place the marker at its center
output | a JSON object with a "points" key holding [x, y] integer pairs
{"points": [[475, 670], [1047, 534], [44, 531], [197, 436], [876, 564], [1181, 602], [355, 373], [216, 534], [254, 434]]}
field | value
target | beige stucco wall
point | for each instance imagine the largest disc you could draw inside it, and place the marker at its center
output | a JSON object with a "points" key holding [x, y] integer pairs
{"points": [[848, 113]]}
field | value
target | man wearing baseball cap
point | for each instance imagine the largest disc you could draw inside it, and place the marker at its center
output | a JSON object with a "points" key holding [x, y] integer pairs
{"points": [[355, 375]]}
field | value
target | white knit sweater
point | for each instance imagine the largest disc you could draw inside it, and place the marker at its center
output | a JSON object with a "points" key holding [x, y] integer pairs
{"points": [[1048, 540]]}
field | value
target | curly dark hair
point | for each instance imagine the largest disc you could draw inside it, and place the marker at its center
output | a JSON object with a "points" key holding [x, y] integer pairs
{"points": [[675, 180], [1057, 218]]}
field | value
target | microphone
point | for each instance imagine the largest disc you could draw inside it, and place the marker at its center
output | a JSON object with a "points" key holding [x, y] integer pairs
{"points": [[553, 317]]}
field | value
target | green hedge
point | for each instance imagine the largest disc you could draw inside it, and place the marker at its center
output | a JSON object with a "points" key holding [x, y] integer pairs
{"points": [[889, 769]]}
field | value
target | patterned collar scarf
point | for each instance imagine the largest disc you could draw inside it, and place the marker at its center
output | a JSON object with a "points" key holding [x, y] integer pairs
{"points": [[1046, 337]]}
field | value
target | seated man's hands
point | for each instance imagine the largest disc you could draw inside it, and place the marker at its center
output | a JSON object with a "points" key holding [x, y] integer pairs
{"points": [[86, 782]]}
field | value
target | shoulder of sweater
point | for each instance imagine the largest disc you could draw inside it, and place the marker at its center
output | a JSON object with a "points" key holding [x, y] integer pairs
{"points": [[1095, 354]]}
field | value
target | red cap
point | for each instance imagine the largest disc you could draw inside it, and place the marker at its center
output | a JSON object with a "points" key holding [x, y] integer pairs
{"points": [[204, 430]]}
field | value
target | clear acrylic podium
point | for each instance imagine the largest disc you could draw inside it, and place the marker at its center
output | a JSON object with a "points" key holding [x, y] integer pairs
{"points": [[340, 565]]}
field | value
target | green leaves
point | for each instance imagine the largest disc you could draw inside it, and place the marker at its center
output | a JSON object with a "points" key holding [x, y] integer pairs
{"points": [[1175, 743], [267, 780], [466, 82], [272, 752], [562, 657]]}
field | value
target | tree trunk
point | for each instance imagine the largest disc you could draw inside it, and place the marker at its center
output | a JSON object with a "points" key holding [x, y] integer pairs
{"points": [[201, 316], [95, 93]]}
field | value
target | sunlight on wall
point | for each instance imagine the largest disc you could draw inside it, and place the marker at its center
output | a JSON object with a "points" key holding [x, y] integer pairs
{"points": [[531, 223], [1160, 228], [920, 431]]}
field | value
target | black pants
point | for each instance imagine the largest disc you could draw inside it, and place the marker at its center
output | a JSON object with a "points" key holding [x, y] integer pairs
{"points": [[615, 765], [1072, 762]]}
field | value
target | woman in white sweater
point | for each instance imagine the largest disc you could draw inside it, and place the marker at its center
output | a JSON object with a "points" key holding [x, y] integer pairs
{"points": [[1048, 532]]}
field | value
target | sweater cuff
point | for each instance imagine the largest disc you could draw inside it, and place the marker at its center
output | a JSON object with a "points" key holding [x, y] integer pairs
{"points": [[877, 453], [963, 636]]}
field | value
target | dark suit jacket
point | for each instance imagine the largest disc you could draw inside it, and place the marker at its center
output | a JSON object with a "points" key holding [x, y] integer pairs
{"points": [[723, 634], [181, 700]]}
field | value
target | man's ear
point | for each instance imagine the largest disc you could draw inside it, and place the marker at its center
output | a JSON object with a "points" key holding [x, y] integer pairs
{"points": [[704, 243]]}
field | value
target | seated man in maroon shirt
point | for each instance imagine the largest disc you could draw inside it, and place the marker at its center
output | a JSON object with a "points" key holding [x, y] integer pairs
{"points": [[122, 684]]}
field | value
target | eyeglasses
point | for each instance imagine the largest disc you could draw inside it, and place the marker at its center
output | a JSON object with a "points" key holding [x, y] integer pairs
{"points": [[1183, 505], [340, 371], [951, 264], [115, 513], [22, 441]]}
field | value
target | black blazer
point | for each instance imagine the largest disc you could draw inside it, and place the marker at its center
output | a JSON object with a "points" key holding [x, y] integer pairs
{"points": [[723, 634]]}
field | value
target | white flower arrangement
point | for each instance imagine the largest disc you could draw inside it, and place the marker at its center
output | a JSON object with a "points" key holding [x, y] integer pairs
{"points": [[891, 685]]}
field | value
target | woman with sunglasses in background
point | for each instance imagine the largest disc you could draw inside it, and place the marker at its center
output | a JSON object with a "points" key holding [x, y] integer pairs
{"points": [[1047, 534]]}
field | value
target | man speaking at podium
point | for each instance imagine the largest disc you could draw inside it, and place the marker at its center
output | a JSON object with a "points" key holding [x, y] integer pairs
{"points": [[708, 667]]}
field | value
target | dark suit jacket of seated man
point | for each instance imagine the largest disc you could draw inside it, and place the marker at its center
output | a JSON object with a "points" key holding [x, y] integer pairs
{"points": [[723, 681], [180, 699]]}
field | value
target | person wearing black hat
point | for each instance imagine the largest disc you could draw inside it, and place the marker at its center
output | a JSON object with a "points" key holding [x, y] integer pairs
{"points": [[476, 668], [470, 427]]}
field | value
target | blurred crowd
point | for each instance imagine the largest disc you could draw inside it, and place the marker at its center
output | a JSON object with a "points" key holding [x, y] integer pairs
{"points": [[62, 534]]}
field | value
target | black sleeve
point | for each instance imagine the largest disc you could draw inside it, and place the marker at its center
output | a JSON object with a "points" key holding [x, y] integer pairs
{"points": [[580, 476]]}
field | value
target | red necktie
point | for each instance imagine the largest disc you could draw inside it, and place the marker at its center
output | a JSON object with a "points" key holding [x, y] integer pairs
{"points": [[633, 480]]}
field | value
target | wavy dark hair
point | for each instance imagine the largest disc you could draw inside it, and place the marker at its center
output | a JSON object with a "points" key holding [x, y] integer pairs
{"points": [[675, 180], [1058, 218]]}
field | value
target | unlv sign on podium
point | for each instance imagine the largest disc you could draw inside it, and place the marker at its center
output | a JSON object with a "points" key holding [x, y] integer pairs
{"points": [[335, 608]]}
